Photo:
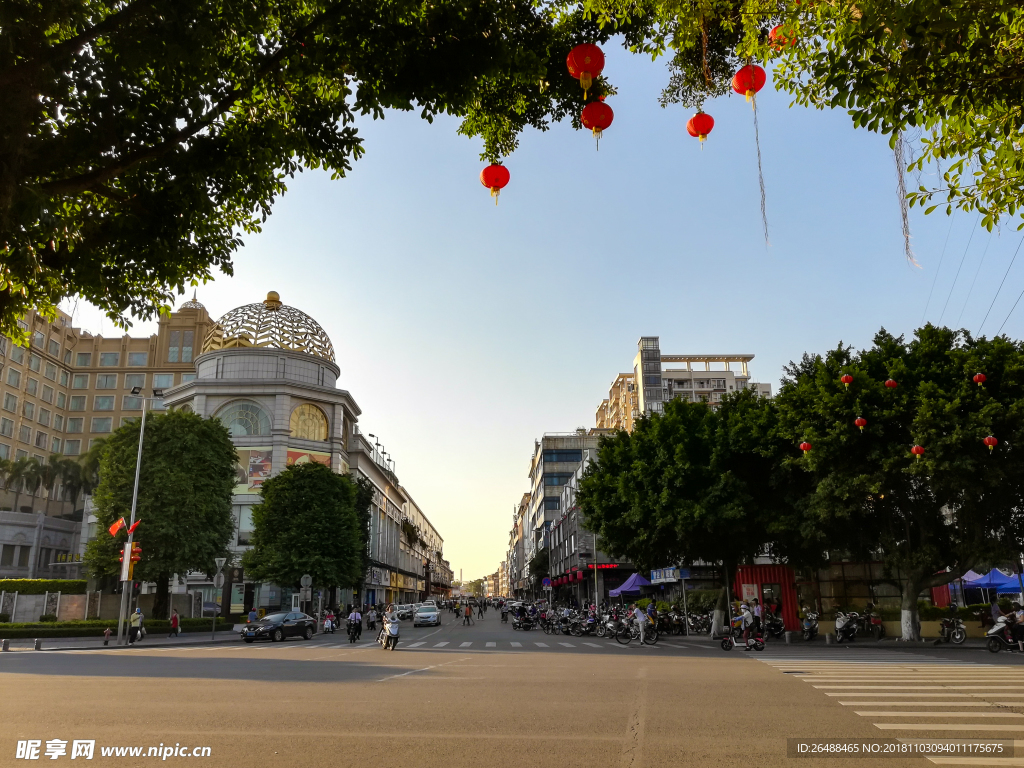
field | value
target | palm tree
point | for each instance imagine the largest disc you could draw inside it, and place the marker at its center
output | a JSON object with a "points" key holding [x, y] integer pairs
{"points": [[50, 473], [32, 477], [17, 474], [88, 469], [5, 469]]}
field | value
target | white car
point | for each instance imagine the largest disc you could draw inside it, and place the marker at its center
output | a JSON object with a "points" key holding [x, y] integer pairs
{"points": [[427, 616]]}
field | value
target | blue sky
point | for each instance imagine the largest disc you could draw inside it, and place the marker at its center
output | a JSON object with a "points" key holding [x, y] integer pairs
{"points": [[465, 331]]}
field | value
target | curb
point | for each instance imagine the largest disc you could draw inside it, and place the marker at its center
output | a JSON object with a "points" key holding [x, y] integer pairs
{"points": [[182, 644]]}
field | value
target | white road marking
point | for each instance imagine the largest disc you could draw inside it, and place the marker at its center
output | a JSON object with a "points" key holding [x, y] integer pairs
{"points": [[938, 714], [545, 645], [568, 645], [593, 645], [416, 645], [490, 645], [917, 704], [946, 727], [442, 644], [465, 645], [516, 645]]}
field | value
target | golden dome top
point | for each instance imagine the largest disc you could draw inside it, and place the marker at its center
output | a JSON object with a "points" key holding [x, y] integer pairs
{"points": [[271, 324]]}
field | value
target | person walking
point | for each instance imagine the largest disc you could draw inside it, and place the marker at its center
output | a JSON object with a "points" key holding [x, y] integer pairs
{"points": [[467, 617], [174, 623], [134, 626], [480, 610]]}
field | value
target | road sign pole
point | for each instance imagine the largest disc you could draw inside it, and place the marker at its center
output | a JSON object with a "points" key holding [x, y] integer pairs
{"points": [[218, 583]]}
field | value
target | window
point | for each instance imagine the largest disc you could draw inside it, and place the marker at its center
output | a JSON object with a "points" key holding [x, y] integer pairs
{"points": [[44, 417], [75, 425], [127, 419], [104, 403], [109, 358], [188, 377], [308, 423], [13, 377], [132, 380], [102, 424], [55, 445], [28, 410], [48, 394], [72, 447], [32, 386], [53, 348], [106, 381], [35, 362], [81, 381], [18, 354], [131, 403], [41, 438], [67, 357], [50, 371], [180, 350], [244, 418], [7, 556], [77, 403], [551, 503], [24, 554], [137, 358], [572, 456], [25, 433], [38, 339], [556, 478], [61, 399], [63, 378], [5, 451], [7, 427], [58, 422], [163, 380], [3, 345]]}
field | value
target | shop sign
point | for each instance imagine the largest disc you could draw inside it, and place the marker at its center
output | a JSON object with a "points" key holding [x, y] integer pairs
{"points": [[378, 576], [749, 592]]}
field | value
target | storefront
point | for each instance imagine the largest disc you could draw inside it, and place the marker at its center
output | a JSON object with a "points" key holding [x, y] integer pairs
{"points": [[769, 583]]}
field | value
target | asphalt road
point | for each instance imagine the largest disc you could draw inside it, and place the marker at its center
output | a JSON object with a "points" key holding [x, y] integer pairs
{"points": [[487, 695]]}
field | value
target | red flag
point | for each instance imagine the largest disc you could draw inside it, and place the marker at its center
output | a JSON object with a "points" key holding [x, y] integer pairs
{"points": [[134, 526], [116, 527]]}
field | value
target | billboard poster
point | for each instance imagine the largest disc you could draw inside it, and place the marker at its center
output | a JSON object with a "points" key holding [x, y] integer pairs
{"points": [[304, 457], [254, 466]]}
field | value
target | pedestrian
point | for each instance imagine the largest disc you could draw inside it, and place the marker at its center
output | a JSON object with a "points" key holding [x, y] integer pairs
{"points": [[174, 623], [467, 616], [641, 620], [756, 611], [371, 618], [134, 625], [106, 636], [252, 615], [480, 610]]}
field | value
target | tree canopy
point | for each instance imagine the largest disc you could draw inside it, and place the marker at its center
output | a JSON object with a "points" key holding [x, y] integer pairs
{"points": [[308, 522], [185, 488]]}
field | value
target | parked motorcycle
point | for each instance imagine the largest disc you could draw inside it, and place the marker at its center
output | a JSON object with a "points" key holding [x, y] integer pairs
{"points": [[953, 630], [774, 626], [524, 623], [875, 625], [810, 626], [1000, 637], [847, 625]]}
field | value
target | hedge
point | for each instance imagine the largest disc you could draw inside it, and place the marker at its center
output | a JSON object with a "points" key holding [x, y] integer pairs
{"points": [[42, 586], [93, 627]]}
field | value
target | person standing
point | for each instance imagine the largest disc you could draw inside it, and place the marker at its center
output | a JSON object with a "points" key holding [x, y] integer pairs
{"points": [[174, 623], [641, 620], [467, 617], [134, 626], [757, 614]]}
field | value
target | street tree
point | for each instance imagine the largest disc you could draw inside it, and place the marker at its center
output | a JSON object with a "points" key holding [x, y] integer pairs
{"points": [[308, 522], [929, 518], [186, 482]]}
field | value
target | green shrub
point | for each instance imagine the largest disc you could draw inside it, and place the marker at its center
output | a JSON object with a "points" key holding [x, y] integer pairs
{"points": [[49, 618], [42, 586], [701, 600], [4, 618]]}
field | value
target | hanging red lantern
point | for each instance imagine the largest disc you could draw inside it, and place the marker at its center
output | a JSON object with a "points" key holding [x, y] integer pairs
{"points": [[979, 378], [585, 62], [749, 80], [918, 450], [494, 177], [991, 442], [805, 446], [847, 379], [777, 38], [861, 422], [700, 125], [597, 116], [891, 384]]}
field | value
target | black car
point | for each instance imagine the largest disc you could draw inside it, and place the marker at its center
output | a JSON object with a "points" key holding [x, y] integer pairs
{"points": [[278, 626]]}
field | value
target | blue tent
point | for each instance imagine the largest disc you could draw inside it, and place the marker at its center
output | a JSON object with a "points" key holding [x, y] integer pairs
{"points": [[994, 579], [633, 584]]}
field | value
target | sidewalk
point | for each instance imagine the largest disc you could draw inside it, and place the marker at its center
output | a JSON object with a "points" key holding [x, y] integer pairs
{"points": [[154, 640], [887, 643]]}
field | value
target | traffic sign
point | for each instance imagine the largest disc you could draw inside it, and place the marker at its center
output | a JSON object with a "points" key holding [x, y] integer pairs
{"points": [[684, 573], [220, 562], [546, 581], [218, 581], [306, 580]]}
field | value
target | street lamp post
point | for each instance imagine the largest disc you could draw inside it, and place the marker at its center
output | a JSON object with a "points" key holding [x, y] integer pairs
{"points": [[126, 591]]}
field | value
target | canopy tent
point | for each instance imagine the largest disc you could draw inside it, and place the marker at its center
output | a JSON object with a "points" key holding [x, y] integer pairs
{"points": [[632, 584], [993, 578]]}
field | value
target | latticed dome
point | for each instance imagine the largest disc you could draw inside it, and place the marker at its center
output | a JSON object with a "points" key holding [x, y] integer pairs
{"points": [[270, 324], [192, 303]]}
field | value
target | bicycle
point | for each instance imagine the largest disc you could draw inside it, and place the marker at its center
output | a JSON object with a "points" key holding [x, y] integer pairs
{"points": [[631, 631]]}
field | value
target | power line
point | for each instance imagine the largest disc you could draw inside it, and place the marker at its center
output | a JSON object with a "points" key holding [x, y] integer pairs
{"points": [[976, 273], [969, 241], [934, 279], [1000, 287]]}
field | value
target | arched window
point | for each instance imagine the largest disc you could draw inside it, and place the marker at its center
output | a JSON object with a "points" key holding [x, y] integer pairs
{"points": [[244, 417], [309, 423]]}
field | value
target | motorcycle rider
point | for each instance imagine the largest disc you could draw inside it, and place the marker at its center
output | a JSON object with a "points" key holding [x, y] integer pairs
{"points": [[1017, 630], [746, 624], [355, 619]]}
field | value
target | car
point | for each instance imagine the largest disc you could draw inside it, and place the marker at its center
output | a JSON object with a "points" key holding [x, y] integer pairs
{"points": [[279, 626], [427, 616], [404, 611]]}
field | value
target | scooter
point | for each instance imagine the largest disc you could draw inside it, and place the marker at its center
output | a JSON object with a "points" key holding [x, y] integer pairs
{"points": [[846, 626], [774, 626], [953, 630], [756, 640], [389, 636], [810, 626], [1000, 637], [353, 631]]}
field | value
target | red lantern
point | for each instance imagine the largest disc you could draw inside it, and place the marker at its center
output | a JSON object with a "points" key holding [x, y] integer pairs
{"points": [[861, 422], [495, 177], [778, 39], [918, 450], [991, 442], [585, 62], [847, 379], [979, 378], [597, 116], [749, 80], [700, 125], [805, 446], [891, 384]]}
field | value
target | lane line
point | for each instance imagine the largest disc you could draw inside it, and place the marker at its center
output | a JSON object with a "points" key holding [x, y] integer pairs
{"points": [[566, 645], [945, 727], [939, 714], [490, 645], [465, 645], [416, 645], [443, 643], [520, 645], [545, 645], [916, 703]]}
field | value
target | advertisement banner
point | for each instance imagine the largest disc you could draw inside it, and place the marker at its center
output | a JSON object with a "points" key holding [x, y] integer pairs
{"points": [[296, 456], [254, 466]]}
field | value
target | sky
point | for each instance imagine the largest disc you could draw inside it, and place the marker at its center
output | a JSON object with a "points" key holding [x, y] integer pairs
{"points": [[466, 330]]}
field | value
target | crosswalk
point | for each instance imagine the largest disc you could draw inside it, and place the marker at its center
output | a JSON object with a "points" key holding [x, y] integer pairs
{"points": [[909, 696]]}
